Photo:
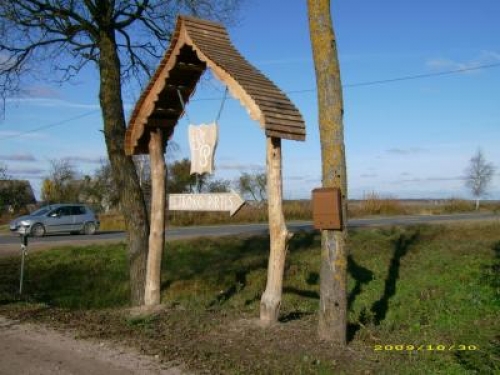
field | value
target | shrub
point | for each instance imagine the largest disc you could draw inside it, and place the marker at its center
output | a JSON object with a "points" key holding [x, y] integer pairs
{"points": [[456, 205], [374, 204]]}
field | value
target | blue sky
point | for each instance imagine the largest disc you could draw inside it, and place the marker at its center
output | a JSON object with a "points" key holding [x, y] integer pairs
{"points": [[406, 139]]}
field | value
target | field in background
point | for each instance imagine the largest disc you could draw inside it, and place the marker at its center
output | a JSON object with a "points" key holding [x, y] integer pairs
{"points": [[372, 205], [422, 300]]}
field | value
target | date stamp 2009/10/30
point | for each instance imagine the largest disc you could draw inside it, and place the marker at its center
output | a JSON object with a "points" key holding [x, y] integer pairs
{"points": [[425, 347]]}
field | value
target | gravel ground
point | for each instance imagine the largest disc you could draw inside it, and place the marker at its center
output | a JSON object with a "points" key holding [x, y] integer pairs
{"points": [[28, 349]]}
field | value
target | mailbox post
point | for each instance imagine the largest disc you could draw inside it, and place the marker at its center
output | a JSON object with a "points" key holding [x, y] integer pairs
{"points": [[327, 209], [23, 234]]}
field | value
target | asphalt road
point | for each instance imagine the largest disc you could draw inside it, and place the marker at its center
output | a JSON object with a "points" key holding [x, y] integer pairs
{"points": [[11, 241]]}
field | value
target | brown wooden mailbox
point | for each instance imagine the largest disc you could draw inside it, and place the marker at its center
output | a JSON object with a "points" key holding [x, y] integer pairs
{"points": [[327, 209]]}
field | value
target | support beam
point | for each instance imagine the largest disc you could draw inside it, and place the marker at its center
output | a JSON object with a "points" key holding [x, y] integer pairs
{"points": [[157, 232], [271, 299]]}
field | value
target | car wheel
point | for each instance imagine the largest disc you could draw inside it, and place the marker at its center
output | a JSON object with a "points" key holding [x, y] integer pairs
{"points": [[89, 228], [37, 230]]}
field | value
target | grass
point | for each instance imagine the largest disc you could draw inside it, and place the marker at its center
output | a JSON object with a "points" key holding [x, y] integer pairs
{"points": [[375, 204], [295, 210], [84, 277], [425, 286]]}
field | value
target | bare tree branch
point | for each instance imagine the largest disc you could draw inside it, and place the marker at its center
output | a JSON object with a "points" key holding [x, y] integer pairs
{"points": [[142, 27], [125, 39]]}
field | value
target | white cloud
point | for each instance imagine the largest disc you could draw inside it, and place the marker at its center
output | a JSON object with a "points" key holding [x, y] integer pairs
{"points": [[6, 134], [52, 102], [406, 151], [18, 157], [40, 91], [85, 159], [298, 178], [32, 172], [240, 166], [431, 179], [484, 58]]}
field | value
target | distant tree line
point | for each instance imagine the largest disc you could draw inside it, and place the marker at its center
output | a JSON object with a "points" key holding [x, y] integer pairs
{"points": [[64, 183], [14, 194]]}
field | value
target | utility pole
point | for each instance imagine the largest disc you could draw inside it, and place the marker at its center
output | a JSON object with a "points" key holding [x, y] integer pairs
{"points": [[333, 273]]}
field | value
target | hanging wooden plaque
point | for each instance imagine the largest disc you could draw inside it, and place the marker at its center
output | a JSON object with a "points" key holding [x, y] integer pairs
{"points": [[202, 142]]}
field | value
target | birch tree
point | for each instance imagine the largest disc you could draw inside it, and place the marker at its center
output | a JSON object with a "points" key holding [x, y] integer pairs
{"points": [[478, 176], [333, 273]]}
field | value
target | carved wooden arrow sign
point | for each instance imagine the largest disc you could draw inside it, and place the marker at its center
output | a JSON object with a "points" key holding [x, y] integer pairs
{"points": [[231, 202]]}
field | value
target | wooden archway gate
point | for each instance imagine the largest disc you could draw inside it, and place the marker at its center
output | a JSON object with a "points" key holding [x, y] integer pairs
{"points": [[197, 45]]}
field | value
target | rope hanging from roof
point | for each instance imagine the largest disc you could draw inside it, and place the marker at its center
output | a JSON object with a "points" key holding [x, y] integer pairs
{"points": [[221, 105], [183, 105]]}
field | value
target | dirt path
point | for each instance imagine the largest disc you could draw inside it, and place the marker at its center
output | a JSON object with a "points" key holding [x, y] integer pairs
{"points": [[27, 349]]}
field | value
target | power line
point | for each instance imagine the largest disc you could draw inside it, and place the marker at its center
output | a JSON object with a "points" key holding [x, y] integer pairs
{"points": [[358, 84], [62, 122], [407, 78], [427, 75]]}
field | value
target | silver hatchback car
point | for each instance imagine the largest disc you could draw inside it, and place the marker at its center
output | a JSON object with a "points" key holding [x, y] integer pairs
{"points": [[56, 218]]}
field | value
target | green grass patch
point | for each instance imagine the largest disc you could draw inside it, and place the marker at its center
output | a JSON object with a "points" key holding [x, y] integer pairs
{"points": [[70, 277], [422, 300]]}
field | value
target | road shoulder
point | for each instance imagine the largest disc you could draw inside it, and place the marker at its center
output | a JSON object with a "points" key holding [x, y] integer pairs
{"points": [[29, 349]]}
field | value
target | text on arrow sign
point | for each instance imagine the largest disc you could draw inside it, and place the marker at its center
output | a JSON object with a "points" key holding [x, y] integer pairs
{"points": [[205, 202]]}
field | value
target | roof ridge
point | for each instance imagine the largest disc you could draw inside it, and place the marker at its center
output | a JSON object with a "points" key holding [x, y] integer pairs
{"points": [[201, 44]]}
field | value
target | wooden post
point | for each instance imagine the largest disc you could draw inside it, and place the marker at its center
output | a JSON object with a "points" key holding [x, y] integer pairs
{"points": [[271, 299], [157, 232]]}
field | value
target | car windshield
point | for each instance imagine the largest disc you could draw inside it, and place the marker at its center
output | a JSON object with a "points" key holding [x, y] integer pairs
{"points": [[40, 211]]}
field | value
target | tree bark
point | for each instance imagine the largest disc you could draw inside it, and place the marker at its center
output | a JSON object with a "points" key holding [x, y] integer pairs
{"points": [[157, 233], [132, 201], [333, 274], [271, 299]]}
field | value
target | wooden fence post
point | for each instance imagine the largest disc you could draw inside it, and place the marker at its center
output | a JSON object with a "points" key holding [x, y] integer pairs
{"points": [[271, 299]]}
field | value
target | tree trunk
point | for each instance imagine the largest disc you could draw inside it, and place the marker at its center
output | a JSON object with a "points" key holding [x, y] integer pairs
{"points": [[477, 204], [123, 170], [271, 299], [333, 274], [157, 233]]}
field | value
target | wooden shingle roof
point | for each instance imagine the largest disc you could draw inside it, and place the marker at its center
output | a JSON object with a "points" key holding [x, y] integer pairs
{"points": [[197, 44]]}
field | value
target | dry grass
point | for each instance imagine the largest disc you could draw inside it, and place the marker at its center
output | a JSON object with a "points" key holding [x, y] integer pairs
{"points": [[372, 204], [375, 204], [112, 221], [250, 213], [456, 205]]}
